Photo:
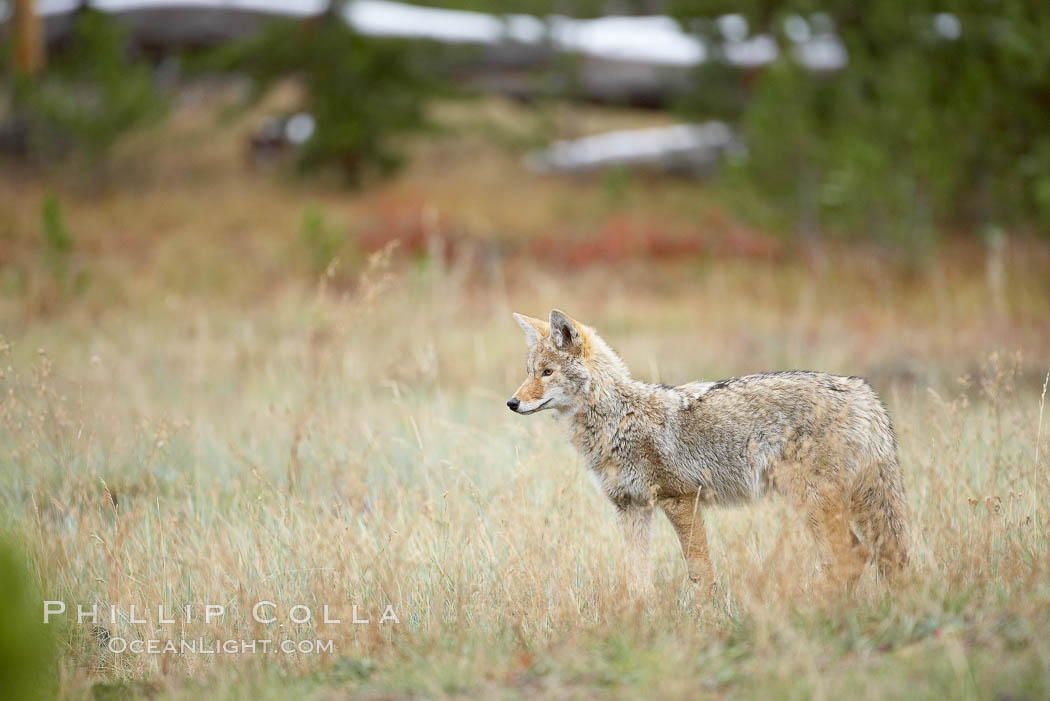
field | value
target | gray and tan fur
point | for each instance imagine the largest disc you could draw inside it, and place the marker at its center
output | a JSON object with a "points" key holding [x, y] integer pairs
{"points": [[823, 440]]}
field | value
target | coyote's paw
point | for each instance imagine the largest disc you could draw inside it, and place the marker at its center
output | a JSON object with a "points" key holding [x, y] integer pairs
{"points": [[701, 575], [706, 587]]}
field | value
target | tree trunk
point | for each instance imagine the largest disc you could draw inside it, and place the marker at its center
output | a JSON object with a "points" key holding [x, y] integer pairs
{"points": [[29, 41]]}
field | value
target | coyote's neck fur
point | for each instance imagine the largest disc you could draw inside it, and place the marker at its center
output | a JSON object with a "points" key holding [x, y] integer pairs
{"points": [[616, 421], [611, 397]]}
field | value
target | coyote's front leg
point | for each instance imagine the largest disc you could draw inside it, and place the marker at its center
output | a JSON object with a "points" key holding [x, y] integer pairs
{"points": [[635, 522], [685, 515]]}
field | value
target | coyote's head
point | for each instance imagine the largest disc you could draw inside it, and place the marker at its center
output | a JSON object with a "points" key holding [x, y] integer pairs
{"points": [[565, 359]]}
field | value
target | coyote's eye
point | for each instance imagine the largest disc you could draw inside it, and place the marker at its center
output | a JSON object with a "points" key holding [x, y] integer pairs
{"points": [[548, 372]]}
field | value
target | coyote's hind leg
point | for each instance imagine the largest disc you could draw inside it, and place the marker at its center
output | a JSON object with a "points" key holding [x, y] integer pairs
{"points": [[842, 556]]}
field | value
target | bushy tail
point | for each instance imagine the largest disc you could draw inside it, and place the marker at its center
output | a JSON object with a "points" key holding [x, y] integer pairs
{"points": [[879, 510]]}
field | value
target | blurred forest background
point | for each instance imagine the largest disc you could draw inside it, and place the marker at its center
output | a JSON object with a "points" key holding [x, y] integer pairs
{"points": [[257, 264], [921, 121]]}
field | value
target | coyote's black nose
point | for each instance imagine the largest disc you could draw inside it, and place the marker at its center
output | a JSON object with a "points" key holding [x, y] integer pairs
{"points": [[513, 403]]}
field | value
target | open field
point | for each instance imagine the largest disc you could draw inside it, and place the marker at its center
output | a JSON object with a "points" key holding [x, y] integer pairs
{"points": [[209, 416]]}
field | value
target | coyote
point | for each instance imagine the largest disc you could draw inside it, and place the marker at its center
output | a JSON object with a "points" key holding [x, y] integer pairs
{"points": [[823, 440]]}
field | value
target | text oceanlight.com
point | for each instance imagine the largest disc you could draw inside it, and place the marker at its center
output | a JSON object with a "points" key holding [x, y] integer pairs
{"points": [[203, 646]]}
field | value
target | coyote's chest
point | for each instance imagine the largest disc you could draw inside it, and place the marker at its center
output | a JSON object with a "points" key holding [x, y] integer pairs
{"points": [[635, 460], [613, 457], [622, 483]]}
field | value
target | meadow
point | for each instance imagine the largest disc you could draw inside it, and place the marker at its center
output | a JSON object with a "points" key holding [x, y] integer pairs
{"points": [[232, 388]]}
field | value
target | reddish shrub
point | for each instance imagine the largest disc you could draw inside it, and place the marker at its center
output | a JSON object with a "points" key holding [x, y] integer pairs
{"points": [[408, 219]]}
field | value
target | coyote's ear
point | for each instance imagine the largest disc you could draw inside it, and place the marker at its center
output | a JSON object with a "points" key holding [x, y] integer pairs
{"points": [[535, 329], [565, 333]]}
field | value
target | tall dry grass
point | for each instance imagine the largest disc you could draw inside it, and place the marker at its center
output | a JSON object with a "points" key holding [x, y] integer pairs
{"points": [[348, 445]]}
